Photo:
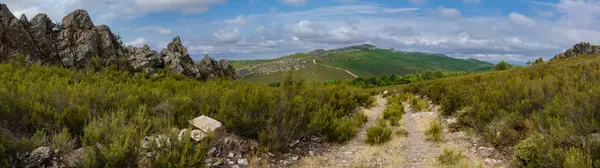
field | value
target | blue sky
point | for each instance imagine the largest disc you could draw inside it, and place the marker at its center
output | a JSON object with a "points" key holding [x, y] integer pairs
{"points": [[490, 30]]}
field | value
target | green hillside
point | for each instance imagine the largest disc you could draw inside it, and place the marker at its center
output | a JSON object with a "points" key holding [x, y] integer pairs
{"points": [[361, 62], [315, 74], [380, 62]]}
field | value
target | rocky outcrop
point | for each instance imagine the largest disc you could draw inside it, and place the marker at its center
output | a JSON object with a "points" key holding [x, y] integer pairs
{"points": [[78, 43], [38, 156], [579, 49]]}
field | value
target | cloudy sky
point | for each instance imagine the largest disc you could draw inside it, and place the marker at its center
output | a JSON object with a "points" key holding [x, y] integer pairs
{"points": [[490, 30]]}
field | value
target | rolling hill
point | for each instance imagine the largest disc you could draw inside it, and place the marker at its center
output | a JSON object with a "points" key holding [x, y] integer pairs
{"points": [[350, 62]]}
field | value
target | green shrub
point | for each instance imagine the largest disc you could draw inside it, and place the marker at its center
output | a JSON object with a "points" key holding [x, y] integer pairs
{"points": [[502, 132], [502, 65], [576, 158], [184, 153], [450, 157], [114, 139], [418, 105], [342, 130], [434, 132], [63, 142], [535, 151], [27, 144], [379, 134], [393, 113]]}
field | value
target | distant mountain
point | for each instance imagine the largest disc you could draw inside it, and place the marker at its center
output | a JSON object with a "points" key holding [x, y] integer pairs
{"points": [[354, 61]]}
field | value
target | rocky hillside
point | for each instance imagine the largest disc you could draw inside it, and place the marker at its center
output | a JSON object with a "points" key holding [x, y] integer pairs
{"points": [[78, 43], [582, 48]]}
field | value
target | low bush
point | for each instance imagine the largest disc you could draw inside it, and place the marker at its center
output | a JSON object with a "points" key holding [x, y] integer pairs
{"points": [[379, 134], [450, 157], [418, 105], [536, 151], [393, 113], [62, 142], [434, 132], [342, 130], [574, 157]]}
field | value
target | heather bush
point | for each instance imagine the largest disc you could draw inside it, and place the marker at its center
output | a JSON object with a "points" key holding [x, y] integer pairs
{"points": [[434, 132], [380, 133], [99, 108]]}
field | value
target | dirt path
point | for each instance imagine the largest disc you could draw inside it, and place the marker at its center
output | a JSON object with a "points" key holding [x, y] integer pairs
{"points": [[418, 152], [347, 71], [357, 152], [413, 151]]}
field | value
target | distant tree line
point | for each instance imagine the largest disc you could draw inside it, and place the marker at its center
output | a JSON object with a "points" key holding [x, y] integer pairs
{"points": [[398, 79]]}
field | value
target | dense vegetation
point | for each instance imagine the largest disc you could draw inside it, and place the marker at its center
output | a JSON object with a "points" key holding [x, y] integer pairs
{"points": [[373, 63], [549, 112], [109, 112], [398, 79]]}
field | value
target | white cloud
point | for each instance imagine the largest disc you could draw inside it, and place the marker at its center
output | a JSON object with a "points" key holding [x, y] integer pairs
{"points": [[260, 29], [521, 19], [228, 35], [139, 42], [293, 2], [397, 10], [240, 19], [157, 29], [105, 11], [187, 6], [447, 12]]}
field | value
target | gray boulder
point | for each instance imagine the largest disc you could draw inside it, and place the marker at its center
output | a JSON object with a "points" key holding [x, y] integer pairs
{"points": [[77, 48], [178, 60], [23, 19], [74, 159], [142, 58], [41, 30], [78, 20], [208, 125], [38, 156]]}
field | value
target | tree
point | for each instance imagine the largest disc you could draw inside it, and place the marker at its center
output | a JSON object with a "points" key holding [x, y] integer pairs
{"points": [[539, 61], [502, 65]]}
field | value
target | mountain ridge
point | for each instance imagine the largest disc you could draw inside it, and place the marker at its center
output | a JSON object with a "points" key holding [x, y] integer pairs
{"points": [[365, 60]]}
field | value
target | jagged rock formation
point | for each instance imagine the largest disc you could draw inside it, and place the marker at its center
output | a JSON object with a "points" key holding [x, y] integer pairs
{"points": [[78, 43], [579, 49]]}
